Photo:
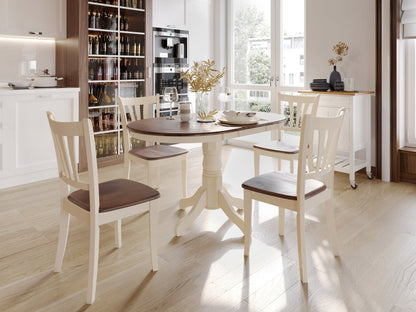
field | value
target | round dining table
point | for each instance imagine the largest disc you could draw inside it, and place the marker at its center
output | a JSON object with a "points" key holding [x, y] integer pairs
{"points": [[212, 194]]}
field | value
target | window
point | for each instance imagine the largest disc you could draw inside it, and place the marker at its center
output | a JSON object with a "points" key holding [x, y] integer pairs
{"points": [[266, 50]]}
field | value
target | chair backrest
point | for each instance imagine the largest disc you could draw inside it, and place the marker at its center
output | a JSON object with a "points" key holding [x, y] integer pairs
{"points": [[297, 107], [317, 149], [132, 109], [65, 137]]}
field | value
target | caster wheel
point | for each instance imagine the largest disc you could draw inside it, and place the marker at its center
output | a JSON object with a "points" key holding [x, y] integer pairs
{"points": [[353, 185], [370, 176]]}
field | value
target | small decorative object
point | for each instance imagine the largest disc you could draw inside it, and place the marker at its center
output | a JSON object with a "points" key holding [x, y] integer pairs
{"points": [[319, 85], [185, 111], [202, 77], [340, 50], [349, 84]]}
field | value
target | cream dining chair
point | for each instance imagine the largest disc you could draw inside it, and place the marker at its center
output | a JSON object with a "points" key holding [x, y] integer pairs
{"points": [[96, 203], [280, 149], [312, 185], [150, 156]]}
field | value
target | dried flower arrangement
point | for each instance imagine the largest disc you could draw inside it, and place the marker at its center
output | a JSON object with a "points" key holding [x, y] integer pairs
{"points": [[202, 76], [340, 50]]}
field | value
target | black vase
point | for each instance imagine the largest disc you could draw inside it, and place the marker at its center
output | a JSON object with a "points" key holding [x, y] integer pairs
{"points": [[333, 78]]}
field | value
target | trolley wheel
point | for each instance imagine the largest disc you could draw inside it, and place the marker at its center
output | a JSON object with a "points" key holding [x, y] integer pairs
{"points": [[353, 185], [370, 176]]}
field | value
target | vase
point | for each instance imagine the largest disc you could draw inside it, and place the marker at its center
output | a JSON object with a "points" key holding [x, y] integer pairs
{"points": [[202, 104], [334, 78]]}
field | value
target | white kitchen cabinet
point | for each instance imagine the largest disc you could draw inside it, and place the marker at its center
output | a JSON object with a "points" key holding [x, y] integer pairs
{"points": [[35, 18], [26, 148], [354, 146]]}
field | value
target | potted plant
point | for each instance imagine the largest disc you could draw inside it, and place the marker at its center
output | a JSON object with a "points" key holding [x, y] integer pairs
{"points": [[202, 77], [340, 50]]}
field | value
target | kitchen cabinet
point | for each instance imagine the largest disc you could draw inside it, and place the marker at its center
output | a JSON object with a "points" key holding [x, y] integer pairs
{"points": [[26, 148], [36, 18], [354, 145], [108, 53]]}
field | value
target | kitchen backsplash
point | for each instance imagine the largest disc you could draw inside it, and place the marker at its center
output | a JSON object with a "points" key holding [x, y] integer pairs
{"points": [[20, 58]]}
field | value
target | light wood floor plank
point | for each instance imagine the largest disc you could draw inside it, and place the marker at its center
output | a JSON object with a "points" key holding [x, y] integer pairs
{"points": [[205, 269]]}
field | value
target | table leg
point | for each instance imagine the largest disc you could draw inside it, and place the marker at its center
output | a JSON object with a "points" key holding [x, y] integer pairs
{"points": [[211, 195], [227, 207], [198, 201]]}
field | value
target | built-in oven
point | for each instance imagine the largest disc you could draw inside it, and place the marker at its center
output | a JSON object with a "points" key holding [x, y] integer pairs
{"points": [[170, 58]]}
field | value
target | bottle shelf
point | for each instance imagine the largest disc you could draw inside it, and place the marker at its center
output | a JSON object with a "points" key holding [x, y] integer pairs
{"points": [[115, 81], [131, 80], [102, 81], [101, 106], [103, 4], [97, 56], [107, 131], [132, 56], [103, 30], [132, 9], [128, 32]]}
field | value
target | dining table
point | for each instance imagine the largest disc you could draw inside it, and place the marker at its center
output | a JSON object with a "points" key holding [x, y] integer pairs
{"points": [[211, 194]]}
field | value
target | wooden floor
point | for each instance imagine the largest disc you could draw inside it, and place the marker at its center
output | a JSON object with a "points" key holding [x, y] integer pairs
{"points": [[205, 270]]}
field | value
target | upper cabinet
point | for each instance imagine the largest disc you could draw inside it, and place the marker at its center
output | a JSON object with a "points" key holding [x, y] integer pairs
{"points": [[168, 13], [33, 18]]}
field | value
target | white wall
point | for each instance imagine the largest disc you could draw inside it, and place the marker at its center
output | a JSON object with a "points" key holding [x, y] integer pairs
{"points": [[18, 56], [331, 21], [353, 22]]}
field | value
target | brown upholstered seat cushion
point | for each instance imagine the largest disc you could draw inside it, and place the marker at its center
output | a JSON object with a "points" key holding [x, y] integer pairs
{"points": [[276, 146], [154, 152], [282, 185], [116, 194]]}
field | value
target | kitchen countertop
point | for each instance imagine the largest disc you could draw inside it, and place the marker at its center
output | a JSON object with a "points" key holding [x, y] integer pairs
{"points": [[5, 90]]}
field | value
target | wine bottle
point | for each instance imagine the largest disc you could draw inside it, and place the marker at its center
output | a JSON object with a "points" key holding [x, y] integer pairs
{"points": [[96, 47], [134, 48], [98, 20], [121, 22], [123, 70], [89, 45], [115, 71], [99, 71], [127, 46], [126, 23], [122, 46], [92, 20]]}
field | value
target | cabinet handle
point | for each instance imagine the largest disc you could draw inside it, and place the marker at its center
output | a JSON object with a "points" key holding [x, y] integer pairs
{"points": [[37, 33]]}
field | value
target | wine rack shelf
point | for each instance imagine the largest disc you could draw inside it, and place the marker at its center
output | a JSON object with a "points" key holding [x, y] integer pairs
{"points": [[116, 65]]}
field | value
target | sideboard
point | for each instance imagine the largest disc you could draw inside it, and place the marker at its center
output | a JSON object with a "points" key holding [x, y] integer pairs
{"points": [[354, 146]]}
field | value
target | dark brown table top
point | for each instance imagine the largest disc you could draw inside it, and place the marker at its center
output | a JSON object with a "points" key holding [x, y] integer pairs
{"points": [[165, 127]]}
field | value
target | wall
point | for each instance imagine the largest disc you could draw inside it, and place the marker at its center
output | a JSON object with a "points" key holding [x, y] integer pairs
{"points": [[353, 22], [20, 57]]}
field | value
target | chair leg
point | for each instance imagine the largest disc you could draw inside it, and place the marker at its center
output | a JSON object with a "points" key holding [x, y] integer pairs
{"points": [[93, 263], [117, 233], [256, 162], [184, 177], [62, 239], [300, 222], [330, 220], [247, 221], [127, 167], [277, 165], [153, 232], [157, 177], [292, 167], [281, 221]]}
